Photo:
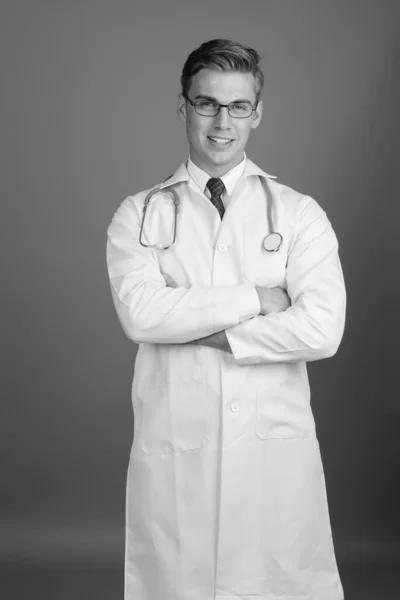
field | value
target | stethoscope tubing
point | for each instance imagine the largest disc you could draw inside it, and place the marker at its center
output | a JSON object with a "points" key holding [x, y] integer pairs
{"points": [[275, 239], [176, 201], [272, 242]]}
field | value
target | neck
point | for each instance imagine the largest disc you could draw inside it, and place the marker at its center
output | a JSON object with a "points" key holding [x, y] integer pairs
{"points": [[216, 170]]}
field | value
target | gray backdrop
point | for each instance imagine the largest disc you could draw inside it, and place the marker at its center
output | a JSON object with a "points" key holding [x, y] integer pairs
{"points": [[89, 92]]}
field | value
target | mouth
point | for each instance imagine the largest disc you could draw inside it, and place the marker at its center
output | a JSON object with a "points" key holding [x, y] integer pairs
{"points": [[220, 142]]}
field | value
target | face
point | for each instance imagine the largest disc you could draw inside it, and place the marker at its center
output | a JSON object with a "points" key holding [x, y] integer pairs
{"points": [[217, 143]]}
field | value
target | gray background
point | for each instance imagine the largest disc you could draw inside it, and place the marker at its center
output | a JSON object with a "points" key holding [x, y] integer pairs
{"points": [[88, 103]]}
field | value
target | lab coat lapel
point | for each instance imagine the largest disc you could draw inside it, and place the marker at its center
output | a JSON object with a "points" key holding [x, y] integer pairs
{"points": [[236, 205]]}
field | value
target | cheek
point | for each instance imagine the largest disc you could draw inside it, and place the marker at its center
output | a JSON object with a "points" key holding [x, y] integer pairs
{"points": [[243, 133], [194, 130]]}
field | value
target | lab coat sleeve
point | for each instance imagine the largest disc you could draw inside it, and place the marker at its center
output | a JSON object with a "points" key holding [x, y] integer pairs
{"points": [[312, 327], [148, 310]]}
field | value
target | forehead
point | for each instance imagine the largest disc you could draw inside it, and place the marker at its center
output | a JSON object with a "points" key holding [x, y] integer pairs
{"points": [[225, 87]]}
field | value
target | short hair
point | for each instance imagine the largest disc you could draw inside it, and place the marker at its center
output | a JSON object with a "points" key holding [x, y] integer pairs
{"points": [[226, 56]]}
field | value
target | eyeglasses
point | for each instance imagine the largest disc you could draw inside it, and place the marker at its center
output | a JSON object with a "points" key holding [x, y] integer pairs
{"points": [[208, 108]]}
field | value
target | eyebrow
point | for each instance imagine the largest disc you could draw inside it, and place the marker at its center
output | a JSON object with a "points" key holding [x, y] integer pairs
{"points": [[202, 97]]}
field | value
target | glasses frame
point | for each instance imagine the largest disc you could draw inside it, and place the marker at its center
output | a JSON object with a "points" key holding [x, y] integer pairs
{"points": [[253, 108]]}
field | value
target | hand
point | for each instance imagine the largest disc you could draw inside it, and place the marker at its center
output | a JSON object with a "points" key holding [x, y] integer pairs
{"points": [[170, 281], [218, 340], [272, 300]]}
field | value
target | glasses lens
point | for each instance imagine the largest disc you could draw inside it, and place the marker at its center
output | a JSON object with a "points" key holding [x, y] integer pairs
{"points": [[206, 108], [240, 110]]}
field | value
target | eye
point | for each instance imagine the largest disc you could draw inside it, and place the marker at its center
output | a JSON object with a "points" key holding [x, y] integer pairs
{"points": [[240, 106], [206, 104]]}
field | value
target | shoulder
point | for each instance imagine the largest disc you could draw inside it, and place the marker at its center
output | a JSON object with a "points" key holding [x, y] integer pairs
{"points": [[299, 204], [290, 197], [129, 212]]}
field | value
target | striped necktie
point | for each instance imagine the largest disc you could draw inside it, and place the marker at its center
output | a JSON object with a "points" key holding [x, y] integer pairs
{"points": [[216, 187]]}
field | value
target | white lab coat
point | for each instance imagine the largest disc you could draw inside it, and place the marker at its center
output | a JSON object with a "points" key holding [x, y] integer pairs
{"points": [[226, 494]]}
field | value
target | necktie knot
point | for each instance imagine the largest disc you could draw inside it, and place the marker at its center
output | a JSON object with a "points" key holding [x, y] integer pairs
{"points": [[216, 186]]}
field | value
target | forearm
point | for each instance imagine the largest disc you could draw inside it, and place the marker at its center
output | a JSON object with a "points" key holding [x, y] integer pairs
{"points": [[302, 333], [154, 313], [312, 327]]}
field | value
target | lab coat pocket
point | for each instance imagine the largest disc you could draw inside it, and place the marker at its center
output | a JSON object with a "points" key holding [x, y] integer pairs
{"points": [[283, 407], [261, 267], [174, 409]]}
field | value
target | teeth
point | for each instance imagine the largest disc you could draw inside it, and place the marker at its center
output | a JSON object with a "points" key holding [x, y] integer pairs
{"points": [[220, 141]]}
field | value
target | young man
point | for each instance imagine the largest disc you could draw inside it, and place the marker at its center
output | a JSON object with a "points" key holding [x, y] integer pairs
{"points": [[226, 495]]}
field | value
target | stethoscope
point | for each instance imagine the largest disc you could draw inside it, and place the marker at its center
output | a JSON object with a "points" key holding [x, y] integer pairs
{"points": [[271, 243]]}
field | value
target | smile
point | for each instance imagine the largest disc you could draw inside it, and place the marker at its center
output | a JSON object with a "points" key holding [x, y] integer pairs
{"points": [[220, 141]]}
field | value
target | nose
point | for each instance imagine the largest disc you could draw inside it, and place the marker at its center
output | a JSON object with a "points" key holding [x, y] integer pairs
{"points": [[223, 119]]}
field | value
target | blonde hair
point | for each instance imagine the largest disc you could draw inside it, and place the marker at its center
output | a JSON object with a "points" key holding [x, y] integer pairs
{"points": [[226, 56]]}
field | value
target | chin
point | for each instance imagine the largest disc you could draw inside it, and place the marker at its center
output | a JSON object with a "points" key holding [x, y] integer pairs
{"points": [[221, 158]]}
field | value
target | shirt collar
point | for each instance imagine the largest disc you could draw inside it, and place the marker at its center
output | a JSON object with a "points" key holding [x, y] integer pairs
{"points": [[229, 180], [182, 174]]}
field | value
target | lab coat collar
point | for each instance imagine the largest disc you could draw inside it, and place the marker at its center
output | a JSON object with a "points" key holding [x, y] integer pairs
{"points": [[181, 174], [252, 169]]}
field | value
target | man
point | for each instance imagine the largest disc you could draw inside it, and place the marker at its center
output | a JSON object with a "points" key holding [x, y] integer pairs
{"points": [[226, 496]]}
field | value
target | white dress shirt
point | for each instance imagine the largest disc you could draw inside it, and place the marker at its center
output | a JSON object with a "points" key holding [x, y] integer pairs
{"points": [[199, 178]]}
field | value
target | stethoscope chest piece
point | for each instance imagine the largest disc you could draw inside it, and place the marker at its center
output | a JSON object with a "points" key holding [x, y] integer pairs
{"points": [[273, 242]]}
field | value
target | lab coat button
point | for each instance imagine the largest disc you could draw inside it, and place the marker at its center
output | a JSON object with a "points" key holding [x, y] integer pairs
{"points": [[222, 247], [235, 406]]}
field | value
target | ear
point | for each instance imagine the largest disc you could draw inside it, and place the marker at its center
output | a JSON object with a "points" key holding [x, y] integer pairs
{"points": [[257, 115], [181, 108]]}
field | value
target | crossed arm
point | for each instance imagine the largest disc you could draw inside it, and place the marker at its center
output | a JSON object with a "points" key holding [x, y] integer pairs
{"points": [[308, 328], [217, 340], [271, 300]]}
